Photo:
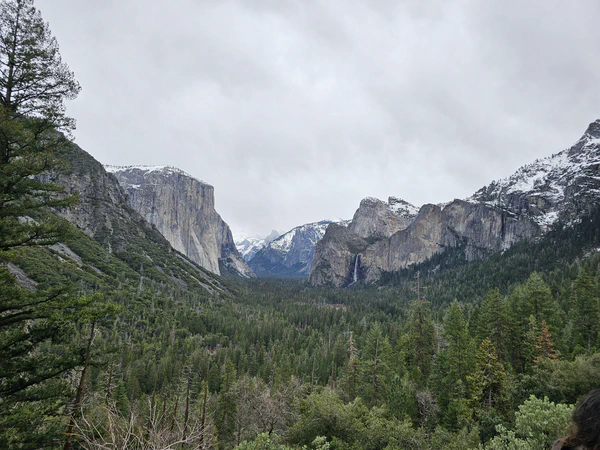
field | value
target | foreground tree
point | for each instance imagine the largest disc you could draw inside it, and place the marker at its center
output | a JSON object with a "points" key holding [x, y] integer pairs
{"points": [[538, 423], [37, 327], [34, 84]]}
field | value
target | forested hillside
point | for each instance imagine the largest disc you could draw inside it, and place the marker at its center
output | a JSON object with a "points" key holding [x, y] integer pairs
{"points": [[111, 339]]}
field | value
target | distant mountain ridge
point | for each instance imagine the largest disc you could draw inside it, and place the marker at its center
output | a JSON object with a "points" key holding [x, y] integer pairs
{"points": [[248, 245], [291, 254], [522, 206], [559, 186], [183, 210]]}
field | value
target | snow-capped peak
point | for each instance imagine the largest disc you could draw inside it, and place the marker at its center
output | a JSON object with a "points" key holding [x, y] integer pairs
{"points": [[311, 231], [544, 185], [248, 244]]}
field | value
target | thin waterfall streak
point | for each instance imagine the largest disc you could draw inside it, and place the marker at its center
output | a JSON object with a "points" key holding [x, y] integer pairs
{"points": [[355, 274]]}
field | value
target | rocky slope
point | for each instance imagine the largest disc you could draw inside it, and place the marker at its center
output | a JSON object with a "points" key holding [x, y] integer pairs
{"points": [[291, 254], [182, 208], [126, 240], [522, 206]]}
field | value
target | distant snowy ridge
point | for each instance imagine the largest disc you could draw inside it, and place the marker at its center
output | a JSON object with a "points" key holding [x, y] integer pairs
{"points": [[313, 231], [249, 244], [291, 254], [548, 188]]}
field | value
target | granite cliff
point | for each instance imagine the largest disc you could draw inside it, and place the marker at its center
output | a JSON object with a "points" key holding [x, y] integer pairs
{"points": [[523, 206], [182, 209], [104, 215]]}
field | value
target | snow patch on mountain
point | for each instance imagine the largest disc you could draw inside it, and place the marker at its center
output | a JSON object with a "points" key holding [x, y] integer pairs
{"points": [[149, 169], [550, 184], [311, 231], [248, 244], [402, 207], [291, 254]]}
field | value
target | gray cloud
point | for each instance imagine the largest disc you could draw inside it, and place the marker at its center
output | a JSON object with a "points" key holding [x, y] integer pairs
{"points": [[295, 110]]}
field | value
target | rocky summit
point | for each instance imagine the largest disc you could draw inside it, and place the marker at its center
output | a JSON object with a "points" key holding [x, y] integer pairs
{"points": [[377, 218], [523, 206], [182, 208]]}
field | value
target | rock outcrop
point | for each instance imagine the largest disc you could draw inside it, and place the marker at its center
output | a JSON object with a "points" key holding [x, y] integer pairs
{"points": [[182, 208], [377, 218], [522, 206]]}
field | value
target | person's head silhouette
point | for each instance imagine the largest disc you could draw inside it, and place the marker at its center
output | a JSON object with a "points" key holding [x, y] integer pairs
{"points": [[585, 432]]}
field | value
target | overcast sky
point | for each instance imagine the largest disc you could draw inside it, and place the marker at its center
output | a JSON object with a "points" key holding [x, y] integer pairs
{"points": [[296, 110]]}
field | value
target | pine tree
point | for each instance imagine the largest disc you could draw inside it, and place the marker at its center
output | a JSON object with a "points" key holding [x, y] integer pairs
{"points": [[585, 311], [34, 83], [532, 301], [35, 326], [537, 300], [496, 323], [456, 359], [376, 370], [488, 379], [544, 347], [420, 338], [460, 346]]}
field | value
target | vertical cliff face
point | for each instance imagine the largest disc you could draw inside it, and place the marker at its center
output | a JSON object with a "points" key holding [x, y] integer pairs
{"points": [[104, 214], [183, 210], [335, 257]]}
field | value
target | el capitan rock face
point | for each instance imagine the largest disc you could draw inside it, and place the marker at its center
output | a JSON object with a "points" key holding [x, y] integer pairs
{"points": [[182, 208], [103, 213], [522, 206]]}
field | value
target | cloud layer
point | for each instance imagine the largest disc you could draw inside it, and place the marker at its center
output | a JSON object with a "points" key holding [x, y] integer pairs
{"points": [[296, 110]]}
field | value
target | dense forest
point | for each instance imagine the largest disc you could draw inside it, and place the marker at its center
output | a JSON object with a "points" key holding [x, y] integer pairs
{"points": [[105, 351]]}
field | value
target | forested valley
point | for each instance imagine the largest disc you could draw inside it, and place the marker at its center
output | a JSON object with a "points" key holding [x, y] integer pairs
{"points": [[131, 346]]}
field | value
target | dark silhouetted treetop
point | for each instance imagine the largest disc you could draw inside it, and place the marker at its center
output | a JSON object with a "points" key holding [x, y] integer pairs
{"points": [[34, 82]]}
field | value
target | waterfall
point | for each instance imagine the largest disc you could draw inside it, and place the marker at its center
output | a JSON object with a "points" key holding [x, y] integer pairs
{"points": [[355, 274]]}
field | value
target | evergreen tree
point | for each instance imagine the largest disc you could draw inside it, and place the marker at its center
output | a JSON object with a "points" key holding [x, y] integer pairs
{"points": [[488, 378], [420, 338], [460, 348], [497, 323], [376, 371], [35, 326], [544, 347], [585, 311], [456, 359], [537, 300]]}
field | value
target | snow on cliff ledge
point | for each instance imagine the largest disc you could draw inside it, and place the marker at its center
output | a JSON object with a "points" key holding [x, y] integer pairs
{"points": [[150, 169]]}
